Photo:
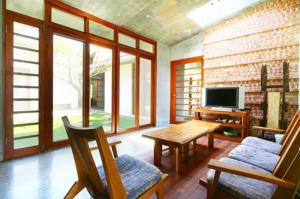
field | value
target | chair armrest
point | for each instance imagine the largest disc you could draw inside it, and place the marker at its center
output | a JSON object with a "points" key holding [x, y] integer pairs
{"points": [[250, 173], [114, 143], [268, 129]]}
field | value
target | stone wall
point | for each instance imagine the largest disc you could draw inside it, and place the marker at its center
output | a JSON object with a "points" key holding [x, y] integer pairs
{"points": [[235, 49]]}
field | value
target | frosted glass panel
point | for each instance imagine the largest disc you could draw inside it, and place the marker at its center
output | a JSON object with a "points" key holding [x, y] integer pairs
{"points": [[26, 30], [101, 30], [32, 93], [26, 55], [26, 106], [146, 46], [25, 118], [67, 19], [127, 40], [21, 41], [32, 8], [21, 67]]}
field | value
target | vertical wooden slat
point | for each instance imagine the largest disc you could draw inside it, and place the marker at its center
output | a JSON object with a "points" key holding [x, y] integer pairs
{"points": [[137, 91], [8, 87], [86, 83]]}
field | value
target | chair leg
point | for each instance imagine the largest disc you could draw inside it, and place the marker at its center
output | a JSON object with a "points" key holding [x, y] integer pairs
{"points": [[212, 186], [160, 193], [74, 190]]}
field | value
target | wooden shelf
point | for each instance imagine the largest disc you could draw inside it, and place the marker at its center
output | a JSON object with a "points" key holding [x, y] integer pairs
{"points": [[243, 126]]}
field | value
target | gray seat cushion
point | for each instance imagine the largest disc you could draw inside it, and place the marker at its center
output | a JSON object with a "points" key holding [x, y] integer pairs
{"points": [[137, 176], [243, 187], [256, 157], [265, 145]]}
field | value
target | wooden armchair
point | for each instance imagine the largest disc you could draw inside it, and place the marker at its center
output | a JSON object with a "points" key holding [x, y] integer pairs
{"points": [[114, 179], [226, 179], [271, 146]]}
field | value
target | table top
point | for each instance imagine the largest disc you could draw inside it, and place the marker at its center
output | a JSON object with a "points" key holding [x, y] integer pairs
{"points": [[183, 133]]}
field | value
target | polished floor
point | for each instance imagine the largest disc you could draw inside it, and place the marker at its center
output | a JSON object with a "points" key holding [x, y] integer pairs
{"points": [[50, 175]]}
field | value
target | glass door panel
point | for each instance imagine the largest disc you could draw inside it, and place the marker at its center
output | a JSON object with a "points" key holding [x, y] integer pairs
{"points": [[67, 83], [26, 86], [145, 91], [127, 94], [101, 87], [186, 92]]}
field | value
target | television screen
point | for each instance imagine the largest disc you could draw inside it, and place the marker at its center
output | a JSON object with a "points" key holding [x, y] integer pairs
{"points": [[222, 97]]}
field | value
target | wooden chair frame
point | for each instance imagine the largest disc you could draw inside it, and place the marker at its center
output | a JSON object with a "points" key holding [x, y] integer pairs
{"points": [[287, 133], [88, 176], [286, 174]]}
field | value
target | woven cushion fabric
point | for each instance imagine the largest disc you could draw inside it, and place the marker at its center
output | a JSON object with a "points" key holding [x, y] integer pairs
{"points": [[137, 175], [259, 143], [256, 157], [243, 187]]}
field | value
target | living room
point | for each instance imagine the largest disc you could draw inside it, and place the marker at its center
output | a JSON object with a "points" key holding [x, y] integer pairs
{"points": [[200, 99]]}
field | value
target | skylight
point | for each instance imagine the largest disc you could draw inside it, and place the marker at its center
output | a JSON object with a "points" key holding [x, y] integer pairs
{"points": [[215, 10]]}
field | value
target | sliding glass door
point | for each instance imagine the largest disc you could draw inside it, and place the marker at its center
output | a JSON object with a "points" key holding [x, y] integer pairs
{"points": [[145, 91], [101, 87], [67, 83], [127, 91]]}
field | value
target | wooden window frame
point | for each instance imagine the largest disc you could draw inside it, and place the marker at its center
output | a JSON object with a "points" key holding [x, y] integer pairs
{"points": [[48, 29]]}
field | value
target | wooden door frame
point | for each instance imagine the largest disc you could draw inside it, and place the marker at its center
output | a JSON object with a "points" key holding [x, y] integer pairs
{"points": [[173, 83], [49, 71], [9, 151]]}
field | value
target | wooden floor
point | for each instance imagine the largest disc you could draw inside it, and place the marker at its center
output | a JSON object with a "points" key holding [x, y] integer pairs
{"points": [[49, 175]]}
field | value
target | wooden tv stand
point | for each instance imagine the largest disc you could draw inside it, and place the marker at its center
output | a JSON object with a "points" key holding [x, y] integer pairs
{"points": [[242, 116]]}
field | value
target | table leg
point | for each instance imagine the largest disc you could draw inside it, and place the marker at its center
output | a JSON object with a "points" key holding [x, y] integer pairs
{"points": [[186, 149], [210, 140], [195, 145], [179, 159], [157, 153]]}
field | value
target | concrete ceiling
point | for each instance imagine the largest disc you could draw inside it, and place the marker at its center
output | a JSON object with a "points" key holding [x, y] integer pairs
{"points": [[161, 20]]}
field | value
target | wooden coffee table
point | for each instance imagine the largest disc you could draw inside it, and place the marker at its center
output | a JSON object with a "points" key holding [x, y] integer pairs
{"points": [[179, 137]]}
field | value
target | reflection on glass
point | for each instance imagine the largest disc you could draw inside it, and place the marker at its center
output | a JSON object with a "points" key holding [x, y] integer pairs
{"points": [[67, 83], [145, 92], [101, 87], [127, 91]]}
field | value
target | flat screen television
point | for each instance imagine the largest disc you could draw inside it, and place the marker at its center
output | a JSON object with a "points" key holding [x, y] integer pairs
{"points": [[232, 97]]}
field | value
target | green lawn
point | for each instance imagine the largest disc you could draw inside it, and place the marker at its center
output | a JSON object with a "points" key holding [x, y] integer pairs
{"points": [[59, 133]]}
